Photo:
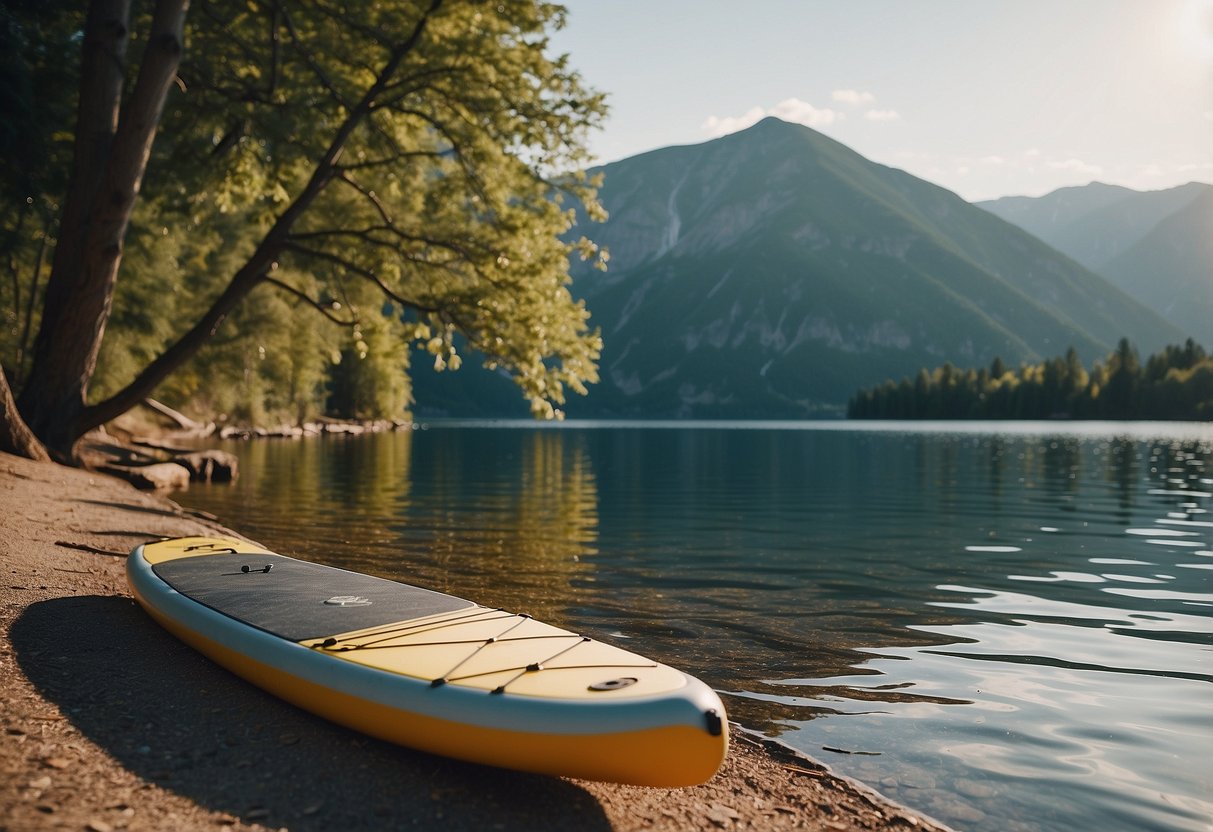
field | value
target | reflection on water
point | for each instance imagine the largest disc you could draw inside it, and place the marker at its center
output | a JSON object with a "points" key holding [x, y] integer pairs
{"points": [[1009, 630], [507, 527]]}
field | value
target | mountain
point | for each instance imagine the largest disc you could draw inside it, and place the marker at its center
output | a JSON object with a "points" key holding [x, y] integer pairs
{"points": [[1093, 223], [1171, 268], [1090, 223], [1152, 244], [772, 272]]}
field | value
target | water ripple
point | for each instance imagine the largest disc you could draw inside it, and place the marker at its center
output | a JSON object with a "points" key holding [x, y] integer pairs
{"points": [[1008, 626]]}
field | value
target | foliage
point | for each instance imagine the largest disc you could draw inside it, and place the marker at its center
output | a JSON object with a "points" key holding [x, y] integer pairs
{"points": [[39, 60], [399, 168], [1175, 384]]}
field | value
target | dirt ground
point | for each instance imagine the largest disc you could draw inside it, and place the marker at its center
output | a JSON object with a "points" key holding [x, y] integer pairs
{"points": [[110, 723]]}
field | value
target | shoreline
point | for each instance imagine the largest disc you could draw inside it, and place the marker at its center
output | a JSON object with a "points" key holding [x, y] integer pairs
{"points": [[111, 723]]}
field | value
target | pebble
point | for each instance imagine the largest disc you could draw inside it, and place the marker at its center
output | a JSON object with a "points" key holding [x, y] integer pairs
{"points": [[949, 805], [910, 780], [974, 788]]}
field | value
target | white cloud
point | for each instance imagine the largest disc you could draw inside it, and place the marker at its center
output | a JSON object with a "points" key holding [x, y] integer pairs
{"points": [[992, 160], [854, 97], [1076, 166], [731, 124], [802, 112], [1188, 168], [790, 109], [882, 115], [1208, 115]]}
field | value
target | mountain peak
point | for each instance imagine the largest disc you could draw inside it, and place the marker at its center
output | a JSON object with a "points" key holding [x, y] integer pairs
{"points": [[774, 122], [771, 272], [773, 127]]}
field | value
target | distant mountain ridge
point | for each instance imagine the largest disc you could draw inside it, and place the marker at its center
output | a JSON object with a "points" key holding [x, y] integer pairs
{"points": [[1171, 268], [772, 272], [1155, 245]]}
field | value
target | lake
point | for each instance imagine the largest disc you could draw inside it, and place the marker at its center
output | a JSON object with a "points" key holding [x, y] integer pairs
{"points": [[1008, 626]]}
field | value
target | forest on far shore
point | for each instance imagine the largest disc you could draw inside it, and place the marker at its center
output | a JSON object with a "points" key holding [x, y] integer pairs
{"points": [[1174, 384]]}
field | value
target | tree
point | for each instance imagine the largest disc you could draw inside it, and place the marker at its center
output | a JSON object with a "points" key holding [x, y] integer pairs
{"points": [[1176, 383], [419, 149], [113, 142], [997, 368], [1118, 399]]}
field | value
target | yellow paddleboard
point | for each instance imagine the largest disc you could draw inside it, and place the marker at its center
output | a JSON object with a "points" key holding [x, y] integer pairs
{"points": [[432, 671]]}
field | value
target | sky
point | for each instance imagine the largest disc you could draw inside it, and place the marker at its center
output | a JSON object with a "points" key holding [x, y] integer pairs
{"points": [[988, 98]]}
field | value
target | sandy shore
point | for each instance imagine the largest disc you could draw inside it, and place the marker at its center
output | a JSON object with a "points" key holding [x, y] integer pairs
{"points": [[110, 723]]}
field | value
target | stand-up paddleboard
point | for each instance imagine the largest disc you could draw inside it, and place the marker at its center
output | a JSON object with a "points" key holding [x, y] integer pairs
{"points": [[432, 671]]}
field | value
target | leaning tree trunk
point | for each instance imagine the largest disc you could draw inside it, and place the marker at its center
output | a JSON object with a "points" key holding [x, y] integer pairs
{"points": [[97, 213], [15, 435]]}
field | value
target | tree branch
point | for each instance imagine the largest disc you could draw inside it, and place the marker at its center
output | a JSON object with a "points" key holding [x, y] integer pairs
{"points": [[407, 86], [367, 235], [316, 69], [275, 15], [349, 22], [11, 244], [395, 159], [317, 305], [258, 265], [468, 171], [380, 208], [28, 322], [365, 274]]}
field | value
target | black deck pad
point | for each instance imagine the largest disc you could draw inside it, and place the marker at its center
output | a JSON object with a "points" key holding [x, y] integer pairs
{"points": [[296, 599]]}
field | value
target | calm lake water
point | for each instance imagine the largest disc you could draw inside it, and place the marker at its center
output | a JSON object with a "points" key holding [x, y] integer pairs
{"points": [[1007, 626]]}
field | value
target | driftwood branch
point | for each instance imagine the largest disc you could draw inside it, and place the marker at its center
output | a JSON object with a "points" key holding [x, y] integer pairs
{"points": [[84, 547], [177, 417]]}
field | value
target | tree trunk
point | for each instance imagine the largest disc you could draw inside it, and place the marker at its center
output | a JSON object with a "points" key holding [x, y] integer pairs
{"points": [[96, 216], [15, 436], [53, 402], [262, 261], [103, 53]]}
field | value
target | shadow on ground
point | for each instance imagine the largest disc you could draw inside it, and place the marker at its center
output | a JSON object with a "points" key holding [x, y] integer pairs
{"points": [[172, 717]]}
